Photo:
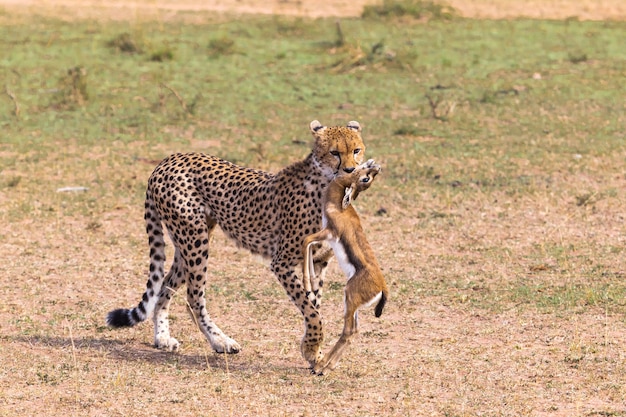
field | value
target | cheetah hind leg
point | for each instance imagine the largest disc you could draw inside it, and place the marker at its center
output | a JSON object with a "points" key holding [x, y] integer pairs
{"points": [[195, 276], [173, 280], [219, 341]]}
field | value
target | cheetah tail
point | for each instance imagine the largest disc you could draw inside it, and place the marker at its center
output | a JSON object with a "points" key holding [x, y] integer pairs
{"points": [[378, 311], [123, 317]]}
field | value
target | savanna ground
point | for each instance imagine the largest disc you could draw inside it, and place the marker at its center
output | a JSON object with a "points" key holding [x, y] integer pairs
{"points": [[498, 219]]}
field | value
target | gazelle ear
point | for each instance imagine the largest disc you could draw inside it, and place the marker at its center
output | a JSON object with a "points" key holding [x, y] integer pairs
{"points": [[347, 198], [352, 192], [354, 125]]}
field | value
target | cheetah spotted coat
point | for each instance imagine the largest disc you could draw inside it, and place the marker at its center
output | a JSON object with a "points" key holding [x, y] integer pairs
{"points": [[268, 214]]}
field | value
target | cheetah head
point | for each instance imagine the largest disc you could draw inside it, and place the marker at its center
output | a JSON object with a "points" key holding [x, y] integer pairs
{"points": [[338, 149]]}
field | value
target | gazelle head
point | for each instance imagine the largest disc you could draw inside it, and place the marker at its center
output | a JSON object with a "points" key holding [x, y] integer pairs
{"points": [[359, 180]]}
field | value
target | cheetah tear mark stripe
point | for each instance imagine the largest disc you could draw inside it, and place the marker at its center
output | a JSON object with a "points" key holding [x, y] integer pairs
{"points": [[123, 317]]}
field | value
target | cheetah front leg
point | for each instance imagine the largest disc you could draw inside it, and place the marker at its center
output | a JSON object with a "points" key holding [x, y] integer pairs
{"points": [[311, 344], [321, 259]]}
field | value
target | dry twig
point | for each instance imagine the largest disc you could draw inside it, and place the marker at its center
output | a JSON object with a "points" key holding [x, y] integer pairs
{"points": [[341, 40], [443, 116], [178, 97], [16, 110]]}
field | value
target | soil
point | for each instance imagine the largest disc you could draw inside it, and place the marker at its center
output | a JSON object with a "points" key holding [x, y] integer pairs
{"points": [[438, 359], [165, 9]]}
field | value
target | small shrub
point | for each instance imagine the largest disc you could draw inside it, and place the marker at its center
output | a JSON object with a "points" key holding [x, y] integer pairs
{"points": [[407, 131], [288, 26], [577, 58], [491, 97], [162, 55], [221, 46], [72, 89], [125, 43], [412, 8], [586, 199], [356, 56], [12, 182], [488, 97]]}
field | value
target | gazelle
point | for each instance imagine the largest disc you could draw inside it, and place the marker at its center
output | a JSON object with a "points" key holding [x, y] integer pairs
{"points": [[343, 231]]}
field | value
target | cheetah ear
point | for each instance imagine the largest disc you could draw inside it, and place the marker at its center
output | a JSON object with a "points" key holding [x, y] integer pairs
{"points": [[354, 125], [316, 126]]}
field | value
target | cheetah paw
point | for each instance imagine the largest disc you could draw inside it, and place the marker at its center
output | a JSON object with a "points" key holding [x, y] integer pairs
{"points": [[324, 366], [167, 343], [312, 353], [224, 344]]}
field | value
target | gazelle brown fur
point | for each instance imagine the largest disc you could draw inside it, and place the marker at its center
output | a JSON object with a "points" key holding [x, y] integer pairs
{"points": [[343, 231]]}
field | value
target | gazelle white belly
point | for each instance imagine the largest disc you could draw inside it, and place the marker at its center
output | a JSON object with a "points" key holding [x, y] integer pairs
{"points": [[373, 300], [342, 258]]}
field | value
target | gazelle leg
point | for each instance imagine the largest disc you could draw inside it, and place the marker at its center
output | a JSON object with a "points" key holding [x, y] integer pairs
{"points": [[308, 267], [350, 329]]}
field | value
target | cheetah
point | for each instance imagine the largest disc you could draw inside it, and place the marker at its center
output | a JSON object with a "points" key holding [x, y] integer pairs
{"points": [[343, 231], [268, 214]]}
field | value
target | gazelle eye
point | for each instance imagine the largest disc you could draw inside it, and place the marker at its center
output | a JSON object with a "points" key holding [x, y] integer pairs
{"points": [[357, 151], [334, 153]]}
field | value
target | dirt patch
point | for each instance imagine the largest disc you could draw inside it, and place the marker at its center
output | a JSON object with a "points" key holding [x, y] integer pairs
{"points": [[168, 9], [434, 352], [551, 9]]}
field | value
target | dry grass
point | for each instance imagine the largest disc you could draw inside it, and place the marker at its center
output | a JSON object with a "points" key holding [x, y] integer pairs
{"points": [[439, 349], [462, 334], [167, 9]]}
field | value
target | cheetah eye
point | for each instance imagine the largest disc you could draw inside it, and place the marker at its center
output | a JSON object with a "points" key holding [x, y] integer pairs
{"points": [[334, 153], [357, 151]]}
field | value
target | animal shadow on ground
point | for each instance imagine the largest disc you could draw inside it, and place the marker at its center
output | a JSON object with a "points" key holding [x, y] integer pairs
{"points": [[132, 352]]}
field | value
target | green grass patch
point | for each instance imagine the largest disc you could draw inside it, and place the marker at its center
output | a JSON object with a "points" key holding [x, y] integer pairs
{"points": [[411, 8], [125, 42], [498, 217], [162, 55], [221, 46], [458, 112]]}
